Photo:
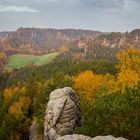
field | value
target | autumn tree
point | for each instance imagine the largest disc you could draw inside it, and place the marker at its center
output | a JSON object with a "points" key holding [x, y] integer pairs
{"points": [[63, 49], [129, 59], [88, 84], [20, 108], [12, 93], [129, 69], [127, 80]]}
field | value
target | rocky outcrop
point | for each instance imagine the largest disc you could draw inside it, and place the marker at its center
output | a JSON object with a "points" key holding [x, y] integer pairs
{"points": [[34, 134], [119, 40], [81, 137], [63, 115], [105, 46]]}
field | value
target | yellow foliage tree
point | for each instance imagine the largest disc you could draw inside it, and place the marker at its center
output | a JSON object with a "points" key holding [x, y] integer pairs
{"points": [[88, 84], [11, 92], [110, 84], [129, 59], [129, 66], [19, 108], [127, 80]]}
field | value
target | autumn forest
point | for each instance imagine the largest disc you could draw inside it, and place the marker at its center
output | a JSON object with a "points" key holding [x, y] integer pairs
{"points": [[103, 69]]}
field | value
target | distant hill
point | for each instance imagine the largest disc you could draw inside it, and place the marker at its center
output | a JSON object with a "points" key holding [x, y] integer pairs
{"points": [[82, 44], [19, 60], [40, 41], [120, 39], [105, 46]]}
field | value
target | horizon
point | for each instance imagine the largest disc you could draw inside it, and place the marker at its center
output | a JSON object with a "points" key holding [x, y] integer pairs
{"points": [[96, 15], [67, 29]]}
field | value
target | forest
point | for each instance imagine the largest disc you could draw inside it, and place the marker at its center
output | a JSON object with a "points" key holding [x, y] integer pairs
{"points": [[109, 92]]}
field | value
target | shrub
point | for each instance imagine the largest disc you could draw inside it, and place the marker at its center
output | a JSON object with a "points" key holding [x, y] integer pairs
{"points": [[115, 114]]}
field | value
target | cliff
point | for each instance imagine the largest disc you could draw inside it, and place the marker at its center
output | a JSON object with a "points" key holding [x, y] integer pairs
{"points": [[40, 41]]}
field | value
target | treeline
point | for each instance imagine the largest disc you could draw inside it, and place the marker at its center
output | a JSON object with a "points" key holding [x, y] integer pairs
{"points": [[109, 92]]}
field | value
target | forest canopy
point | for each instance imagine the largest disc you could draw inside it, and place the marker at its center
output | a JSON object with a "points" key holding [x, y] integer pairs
{"points": [[109, 93]]}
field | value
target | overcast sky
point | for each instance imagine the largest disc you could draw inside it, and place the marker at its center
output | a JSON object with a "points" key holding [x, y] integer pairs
{"points": [[102, 15]]}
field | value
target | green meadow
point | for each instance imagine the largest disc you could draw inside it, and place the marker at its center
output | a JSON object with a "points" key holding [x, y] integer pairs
{"points": [[19, 60]]}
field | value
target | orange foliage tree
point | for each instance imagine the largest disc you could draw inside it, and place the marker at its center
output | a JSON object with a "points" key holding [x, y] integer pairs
{"points": [[88, 84]]}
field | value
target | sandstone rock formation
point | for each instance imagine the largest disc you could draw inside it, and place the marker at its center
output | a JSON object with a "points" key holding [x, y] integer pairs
{"points": [[63, 115], [81, 137], [33, 131], [37, 41]]}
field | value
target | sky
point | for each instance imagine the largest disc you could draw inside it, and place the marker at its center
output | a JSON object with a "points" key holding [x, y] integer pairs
{"points": [[99, 15]]}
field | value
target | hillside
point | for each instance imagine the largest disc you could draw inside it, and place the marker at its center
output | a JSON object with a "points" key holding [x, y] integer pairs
{"points": [[108, 91], [40, 41], [105, 46], [82, 44], [120, 39], [18, 60]]}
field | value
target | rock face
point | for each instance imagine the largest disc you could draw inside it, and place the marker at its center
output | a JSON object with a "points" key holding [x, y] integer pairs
{"points": [[34, 134], [39, 41], [63, 115], [33, 131]]}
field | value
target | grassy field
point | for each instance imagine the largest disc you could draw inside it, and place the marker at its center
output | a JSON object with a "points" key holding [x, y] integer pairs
{"points": [[20, 60]]}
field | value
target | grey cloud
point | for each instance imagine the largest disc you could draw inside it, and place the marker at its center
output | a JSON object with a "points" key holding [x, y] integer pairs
{"points": [[106, 15]]}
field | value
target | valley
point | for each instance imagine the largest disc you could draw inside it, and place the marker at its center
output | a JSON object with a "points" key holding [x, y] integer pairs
{"points": [[80, 44], [69, 69], [103, 69]]}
